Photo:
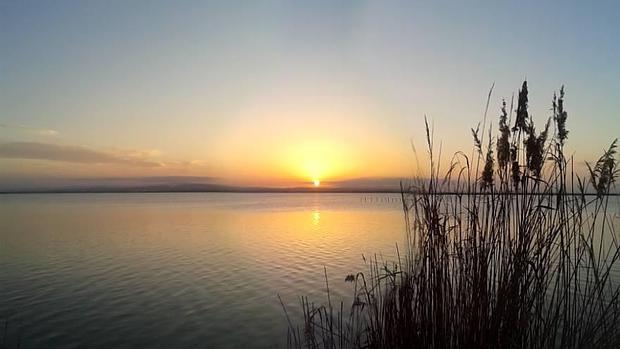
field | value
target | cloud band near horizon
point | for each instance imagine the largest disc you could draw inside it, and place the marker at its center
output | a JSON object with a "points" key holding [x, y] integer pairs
{"points": [[69, 153]]}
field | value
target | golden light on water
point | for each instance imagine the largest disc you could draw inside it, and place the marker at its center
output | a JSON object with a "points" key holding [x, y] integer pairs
{"points": [[316, 217]]}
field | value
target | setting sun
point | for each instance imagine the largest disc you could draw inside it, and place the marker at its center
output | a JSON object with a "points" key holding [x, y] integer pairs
{"points": [[316, 182]]}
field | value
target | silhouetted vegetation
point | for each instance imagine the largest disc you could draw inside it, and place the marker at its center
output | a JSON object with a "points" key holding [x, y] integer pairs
{"points": [[517, 256]]}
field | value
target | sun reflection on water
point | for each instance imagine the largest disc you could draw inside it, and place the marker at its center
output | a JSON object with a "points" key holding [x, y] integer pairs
{"points": [[316, 217]]}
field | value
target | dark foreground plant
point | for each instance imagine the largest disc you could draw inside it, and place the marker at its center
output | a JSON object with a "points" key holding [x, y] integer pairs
{"points": [[513, 256]]}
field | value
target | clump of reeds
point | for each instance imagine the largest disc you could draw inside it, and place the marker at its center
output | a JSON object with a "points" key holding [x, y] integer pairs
{"points": [[517, 254]]}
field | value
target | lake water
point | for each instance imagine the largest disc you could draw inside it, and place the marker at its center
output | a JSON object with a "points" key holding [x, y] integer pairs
{"points": [[179, 270]]}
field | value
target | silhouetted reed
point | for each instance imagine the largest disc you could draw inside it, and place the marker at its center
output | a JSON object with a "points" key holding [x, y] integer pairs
{"points": [[515, 256]]}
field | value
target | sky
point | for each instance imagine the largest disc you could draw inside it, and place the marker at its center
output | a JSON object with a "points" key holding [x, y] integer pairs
{"points": [[280, 93]]}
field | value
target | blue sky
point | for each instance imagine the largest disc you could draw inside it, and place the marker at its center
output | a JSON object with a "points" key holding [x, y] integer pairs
{"points": [[218, 89]]}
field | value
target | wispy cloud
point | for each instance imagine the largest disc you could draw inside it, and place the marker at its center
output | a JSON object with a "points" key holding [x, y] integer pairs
{"points": [[73, 154], [38, 131]]}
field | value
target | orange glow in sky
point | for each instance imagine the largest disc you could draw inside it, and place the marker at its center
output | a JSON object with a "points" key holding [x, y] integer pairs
{"points": [[281, 96]]}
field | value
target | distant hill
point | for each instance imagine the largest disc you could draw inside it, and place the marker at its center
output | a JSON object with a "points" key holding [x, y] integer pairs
{"points": [[184, 184]]}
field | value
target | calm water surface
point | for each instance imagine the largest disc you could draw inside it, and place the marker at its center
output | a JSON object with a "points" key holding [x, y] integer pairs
{"points": [[179, 270]]}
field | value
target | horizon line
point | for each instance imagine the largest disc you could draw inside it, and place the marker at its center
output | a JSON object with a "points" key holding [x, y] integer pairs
{"points": [[274, 191]]}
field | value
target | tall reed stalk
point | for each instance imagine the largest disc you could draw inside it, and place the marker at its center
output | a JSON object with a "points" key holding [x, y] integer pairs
{"points": [[504, 249]]}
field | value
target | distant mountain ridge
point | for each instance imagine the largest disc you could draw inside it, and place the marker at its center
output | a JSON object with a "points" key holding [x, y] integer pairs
{"points": [[198, 188], [198, 185], [186, 184]]}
